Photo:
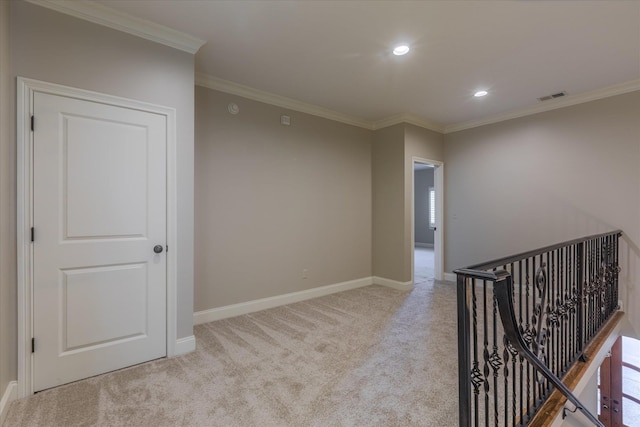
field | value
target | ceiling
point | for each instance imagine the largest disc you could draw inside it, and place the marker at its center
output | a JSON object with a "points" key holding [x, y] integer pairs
{"points": [[337, 54]]}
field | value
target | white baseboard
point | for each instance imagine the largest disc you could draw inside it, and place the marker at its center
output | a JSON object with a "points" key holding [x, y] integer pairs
{"points": [[10, 394], [185, 345], [403, 286], [424, 245], [450, 277], [271, 302]]}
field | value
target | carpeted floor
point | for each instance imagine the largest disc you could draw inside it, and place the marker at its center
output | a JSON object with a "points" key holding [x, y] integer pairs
{"points": [[373, 356]]}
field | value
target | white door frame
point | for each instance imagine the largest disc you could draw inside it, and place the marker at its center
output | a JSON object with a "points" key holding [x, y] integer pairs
{"points": [[25, 96], [438, 246]]}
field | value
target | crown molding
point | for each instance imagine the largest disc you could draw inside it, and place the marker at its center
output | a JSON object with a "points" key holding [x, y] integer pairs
{"points": [[227, 86], [606, 92], [411, 119], [103, 15], [232, 88]]}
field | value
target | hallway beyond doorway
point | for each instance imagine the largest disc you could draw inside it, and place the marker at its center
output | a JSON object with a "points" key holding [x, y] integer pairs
{"points": [[424, 264]]}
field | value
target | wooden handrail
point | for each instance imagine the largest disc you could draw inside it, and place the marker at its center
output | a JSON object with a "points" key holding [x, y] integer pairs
{"points": [[513, 258]]}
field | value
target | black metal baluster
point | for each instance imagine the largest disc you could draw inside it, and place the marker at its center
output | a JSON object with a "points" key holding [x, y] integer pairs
{"points": [[464, 359], [494, 359], [553, 298], [570, 307], [561, 311], [485, 352], [616, 269], [593, 313], [529, 332], [597, 296], [516, 360], [579, 287], [476, 368], [520, 364], [534, 373]]}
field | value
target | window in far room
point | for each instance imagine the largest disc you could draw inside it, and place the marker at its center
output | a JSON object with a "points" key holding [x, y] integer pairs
{"points": [[432, 208]]}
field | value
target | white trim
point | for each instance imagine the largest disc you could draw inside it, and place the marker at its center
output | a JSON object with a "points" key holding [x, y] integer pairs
{"points": [[568, 101], [232, 88], [239, 309], [10, 394], [450, 277], [438, 235], [401, 286], [424, 245], [26, 89], [103, 15], [411, 119], [184, 345]]}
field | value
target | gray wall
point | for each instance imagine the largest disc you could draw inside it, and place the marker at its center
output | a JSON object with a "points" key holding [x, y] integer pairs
{"points": [[274, 200], [423, 179], [542, 179], [49, 46]]}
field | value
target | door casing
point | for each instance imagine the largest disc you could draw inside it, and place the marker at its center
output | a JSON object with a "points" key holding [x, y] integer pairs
{"points": [[438, 246], [26, 90]]}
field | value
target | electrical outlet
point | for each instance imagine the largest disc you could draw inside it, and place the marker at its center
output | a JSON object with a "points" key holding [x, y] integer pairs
{"points": [[305, 273]]}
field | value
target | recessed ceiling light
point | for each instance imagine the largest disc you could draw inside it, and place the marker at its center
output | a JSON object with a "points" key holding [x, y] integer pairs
{"points": [[401, 50], [480, 93]]}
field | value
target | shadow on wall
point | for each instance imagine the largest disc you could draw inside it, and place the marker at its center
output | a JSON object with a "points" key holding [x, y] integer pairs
{"points": [[575, 221]]}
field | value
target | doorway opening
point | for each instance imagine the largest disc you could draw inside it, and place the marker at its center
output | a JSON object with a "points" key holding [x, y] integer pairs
{"points": [[426, 242]]}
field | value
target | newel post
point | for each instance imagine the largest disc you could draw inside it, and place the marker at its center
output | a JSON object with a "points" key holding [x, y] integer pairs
{"points": [[464, 358]]}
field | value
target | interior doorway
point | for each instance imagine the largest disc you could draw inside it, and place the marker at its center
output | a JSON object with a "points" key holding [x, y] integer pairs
{"points": [[426, 224]]}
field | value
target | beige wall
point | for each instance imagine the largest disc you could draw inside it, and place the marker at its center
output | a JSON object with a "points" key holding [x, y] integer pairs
{"points": [[49, 46], [542, 179], [388, 202], [274, 200], [393, 150], [8, 351]]}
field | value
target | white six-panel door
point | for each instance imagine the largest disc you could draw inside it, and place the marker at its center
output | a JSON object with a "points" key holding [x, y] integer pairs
{"points": [[99, 210]]}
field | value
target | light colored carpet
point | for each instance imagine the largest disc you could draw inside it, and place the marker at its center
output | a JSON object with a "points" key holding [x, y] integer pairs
{"points": [[373, 356]]}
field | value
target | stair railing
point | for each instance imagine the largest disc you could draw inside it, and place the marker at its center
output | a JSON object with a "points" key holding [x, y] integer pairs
{"points": [[516, 340]]}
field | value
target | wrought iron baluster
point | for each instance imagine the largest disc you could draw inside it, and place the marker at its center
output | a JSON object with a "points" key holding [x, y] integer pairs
{"points": [[565, 294], [485, 352], [495, 360], [580, 268], [520, 364], [528, 338], [475, 373]]}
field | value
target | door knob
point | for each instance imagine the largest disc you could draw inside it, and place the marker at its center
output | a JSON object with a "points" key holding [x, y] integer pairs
{"points": [[158, 249]]}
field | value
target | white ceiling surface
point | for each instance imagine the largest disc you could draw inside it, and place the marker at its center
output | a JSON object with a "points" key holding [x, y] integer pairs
{"points": [[337, 54]]}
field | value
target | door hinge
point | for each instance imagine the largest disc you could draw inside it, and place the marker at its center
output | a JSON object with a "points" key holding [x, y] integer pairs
{"points": [[33, 234], [167, 248], [33, 121], [33, 345]]}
